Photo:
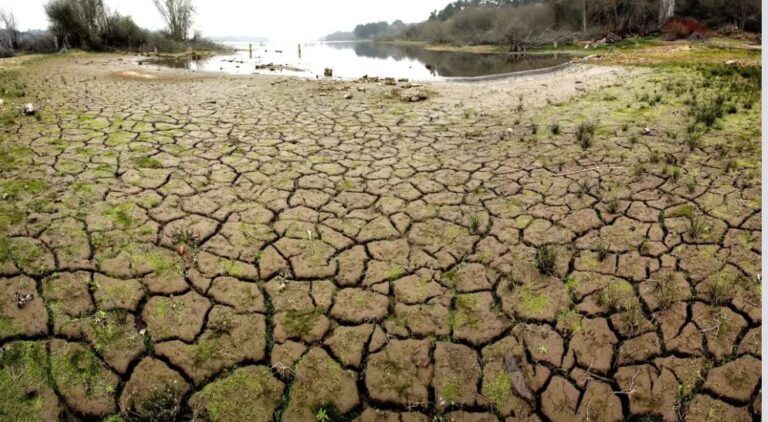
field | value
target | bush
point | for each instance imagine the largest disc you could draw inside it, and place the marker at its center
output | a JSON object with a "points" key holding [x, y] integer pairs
{"points": [[546, 259], [585, 134], [78, 23], [680, 28], [122, 32], [37, 42]]}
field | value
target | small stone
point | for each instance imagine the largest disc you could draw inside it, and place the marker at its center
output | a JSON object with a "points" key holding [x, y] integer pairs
{"points": [[29, 109], [22, 299], [348, 96]]}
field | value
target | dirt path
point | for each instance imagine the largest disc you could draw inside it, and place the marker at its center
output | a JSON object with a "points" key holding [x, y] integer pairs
{"points": [[238, 248]]}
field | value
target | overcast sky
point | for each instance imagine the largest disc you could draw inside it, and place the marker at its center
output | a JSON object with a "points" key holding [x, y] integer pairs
{"points": [[276, 19]]}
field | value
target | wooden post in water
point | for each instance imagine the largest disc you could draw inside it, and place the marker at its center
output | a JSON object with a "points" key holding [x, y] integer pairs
{"points": [[299, 50], [250, 50]]}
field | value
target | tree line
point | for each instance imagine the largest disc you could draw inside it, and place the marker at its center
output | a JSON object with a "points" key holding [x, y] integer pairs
{"points": [[378, 29], [512, 21], [91, 25]]}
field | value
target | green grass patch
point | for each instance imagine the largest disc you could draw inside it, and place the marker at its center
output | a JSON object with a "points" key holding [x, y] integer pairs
{"points": [[146, 163]]}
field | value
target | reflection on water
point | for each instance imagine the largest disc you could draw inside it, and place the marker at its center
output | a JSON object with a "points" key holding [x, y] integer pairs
{"points": [[351, 60], [450, 64]]}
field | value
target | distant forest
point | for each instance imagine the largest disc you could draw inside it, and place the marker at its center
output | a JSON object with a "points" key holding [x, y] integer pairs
{"points": [[505, 22]]}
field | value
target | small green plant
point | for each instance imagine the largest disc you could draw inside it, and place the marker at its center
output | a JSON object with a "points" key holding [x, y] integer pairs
{"points": [[618, 296], [146, 163], [585, 133], [666, 290], [709, 112], [571, 321], [690, 186], [602, 251], [747, 240], [546, 258], [719, 289], [474, 224], [395, 272], [697, 226], [632, 318], [322, 415], [299, 323], [693, 140], [638, 170], [451, 391], [499, 389], [183, 236], [612, 206], [672, 159], [674, 173], [162, 403], [583, 188]]}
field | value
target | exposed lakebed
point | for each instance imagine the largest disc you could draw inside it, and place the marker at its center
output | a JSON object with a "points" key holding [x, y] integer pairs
{"points": [[351, 60]]}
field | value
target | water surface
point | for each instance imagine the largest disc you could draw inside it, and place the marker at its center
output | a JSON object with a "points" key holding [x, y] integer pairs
{"points": [[352, 60]]}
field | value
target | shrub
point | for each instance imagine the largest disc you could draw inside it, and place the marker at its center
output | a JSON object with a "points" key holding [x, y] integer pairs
{"points": [[546, 258], [122, 32], [585, 134], [678, 28]]}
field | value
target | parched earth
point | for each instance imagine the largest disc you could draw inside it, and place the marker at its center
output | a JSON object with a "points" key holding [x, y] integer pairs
{"points": [[188, 246]]}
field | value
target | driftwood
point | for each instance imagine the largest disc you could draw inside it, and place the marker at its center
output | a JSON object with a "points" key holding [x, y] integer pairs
{"points": [[587, 169]]}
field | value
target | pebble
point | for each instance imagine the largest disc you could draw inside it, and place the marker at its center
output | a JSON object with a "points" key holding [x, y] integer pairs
{"points": [[29, 109], [22, 299]]}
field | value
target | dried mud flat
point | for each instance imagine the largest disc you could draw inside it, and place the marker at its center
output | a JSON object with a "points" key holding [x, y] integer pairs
{"points": [[248, 248]]}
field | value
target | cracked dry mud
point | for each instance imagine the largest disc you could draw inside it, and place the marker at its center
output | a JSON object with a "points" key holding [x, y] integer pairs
{"points": [[250, 248]]}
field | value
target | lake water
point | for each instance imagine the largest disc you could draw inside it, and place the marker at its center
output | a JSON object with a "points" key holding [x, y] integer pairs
{"points": [[352, 60]]}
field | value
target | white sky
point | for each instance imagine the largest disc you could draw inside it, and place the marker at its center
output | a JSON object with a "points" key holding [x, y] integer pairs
{"points": [[276, 19]]}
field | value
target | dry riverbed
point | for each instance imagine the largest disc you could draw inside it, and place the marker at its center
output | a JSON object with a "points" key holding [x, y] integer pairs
{"points": [[578, 245]]}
